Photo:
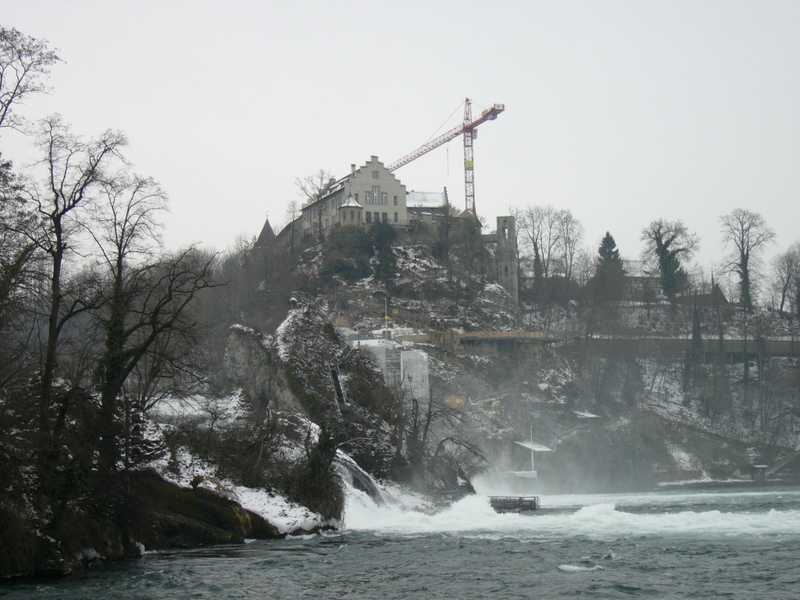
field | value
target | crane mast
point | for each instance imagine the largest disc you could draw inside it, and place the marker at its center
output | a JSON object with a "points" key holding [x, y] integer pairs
{"points": [[468, 128]]}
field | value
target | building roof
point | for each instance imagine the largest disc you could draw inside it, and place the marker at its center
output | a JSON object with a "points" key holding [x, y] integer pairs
{"points": [[416, 199], [266, 239], [638, 268], [335, 186], [351, 203]]}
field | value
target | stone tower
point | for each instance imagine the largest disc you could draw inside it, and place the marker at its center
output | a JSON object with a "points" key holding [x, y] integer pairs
{"points": [[506, 256]]}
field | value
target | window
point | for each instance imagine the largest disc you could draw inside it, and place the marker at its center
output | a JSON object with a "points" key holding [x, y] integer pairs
{"points": [[385, 218], [344, 216], [395, 200], [352, 215], [377, 217], [368, 197], [375, 175], [384, 198], [395, 217], [369, 217]]}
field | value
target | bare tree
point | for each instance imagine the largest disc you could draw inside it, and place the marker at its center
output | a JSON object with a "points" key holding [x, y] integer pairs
{"points": [[74, 169], [24, 65], [570, 234], [124, 230], [538, 231], [669, 244], [292, 212], [446, 231], [787, 279], [748, 233], [152, 312], [145, 299], [584, 266], [312, 188], [17, 271]]}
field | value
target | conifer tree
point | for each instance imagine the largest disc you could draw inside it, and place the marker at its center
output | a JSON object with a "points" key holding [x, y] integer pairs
{"points": [[608, 282]]}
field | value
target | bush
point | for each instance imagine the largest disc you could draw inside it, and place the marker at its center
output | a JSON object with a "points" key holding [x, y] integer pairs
{"points": [[314, 482], [346, 254]]}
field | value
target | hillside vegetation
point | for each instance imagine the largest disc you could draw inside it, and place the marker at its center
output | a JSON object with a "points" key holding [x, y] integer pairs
{"points": [[667, 401]]}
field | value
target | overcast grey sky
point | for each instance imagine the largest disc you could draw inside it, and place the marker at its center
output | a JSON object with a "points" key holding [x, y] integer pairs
{"points": [[622, 111]]}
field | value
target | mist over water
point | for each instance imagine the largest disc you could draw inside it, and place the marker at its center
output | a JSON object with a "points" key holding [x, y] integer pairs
{"points": [[739, 543]]}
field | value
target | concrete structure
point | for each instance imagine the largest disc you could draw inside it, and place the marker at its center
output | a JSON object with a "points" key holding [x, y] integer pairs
{"points": [[414, 367], [401, 365], [506, 255], [386, 355]]}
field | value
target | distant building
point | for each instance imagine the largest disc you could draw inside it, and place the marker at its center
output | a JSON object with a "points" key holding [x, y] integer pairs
{"points": [[373, 194], [266, 239], [427, 207], [641, 281], [366, 195], [414, 368], [715, 300], [402, 366], [373, 190]]}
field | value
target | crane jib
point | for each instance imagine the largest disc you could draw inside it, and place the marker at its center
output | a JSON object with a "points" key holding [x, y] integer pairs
{"points": [[490, 114], [469, 130]]}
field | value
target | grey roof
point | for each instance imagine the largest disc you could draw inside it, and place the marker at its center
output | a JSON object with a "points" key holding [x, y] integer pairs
{"points": [[351, 203], [416, 199]]}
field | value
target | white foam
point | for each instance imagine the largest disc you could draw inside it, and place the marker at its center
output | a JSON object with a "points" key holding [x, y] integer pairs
{"points": [[473, 516], [578, 568]]}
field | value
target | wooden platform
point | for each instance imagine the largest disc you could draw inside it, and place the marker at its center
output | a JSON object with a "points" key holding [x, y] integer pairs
{"points": [[503, 504]]}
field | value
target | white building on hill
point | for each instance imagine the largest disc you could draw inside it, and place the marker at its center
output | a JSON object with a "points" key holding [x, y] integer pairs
{"points": [[401, 365], [372, 192]]}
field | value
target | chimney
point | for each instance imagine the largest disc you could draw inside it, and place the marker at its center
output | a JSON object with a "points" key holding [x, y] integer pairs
{"points": [[352, 169]]}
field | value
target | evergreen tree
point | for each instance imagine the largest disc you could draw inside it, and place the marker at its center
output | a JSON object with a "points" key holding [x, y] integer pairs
{"points": [[382, 236], [692, 366], [346, 253], [608, 282]]}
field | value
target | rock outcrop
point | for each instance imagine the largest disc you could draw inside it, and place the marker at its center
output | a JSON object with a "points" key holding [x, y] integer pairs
{"points": [[252, 364]]}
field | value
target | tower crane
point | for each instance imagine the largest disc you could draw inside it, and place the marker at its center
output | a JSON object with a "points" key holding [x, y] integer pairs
{"points": [[469, 129]]}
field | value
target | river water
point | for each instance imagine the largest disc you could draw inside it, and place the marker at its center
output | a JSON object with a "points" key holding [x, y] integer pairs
{"points": [[733, 543]]}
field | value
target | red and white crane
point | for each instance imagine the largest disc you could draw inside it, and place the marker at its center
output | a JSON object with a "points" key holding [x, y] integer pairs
{"points": [[469, 129]]}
